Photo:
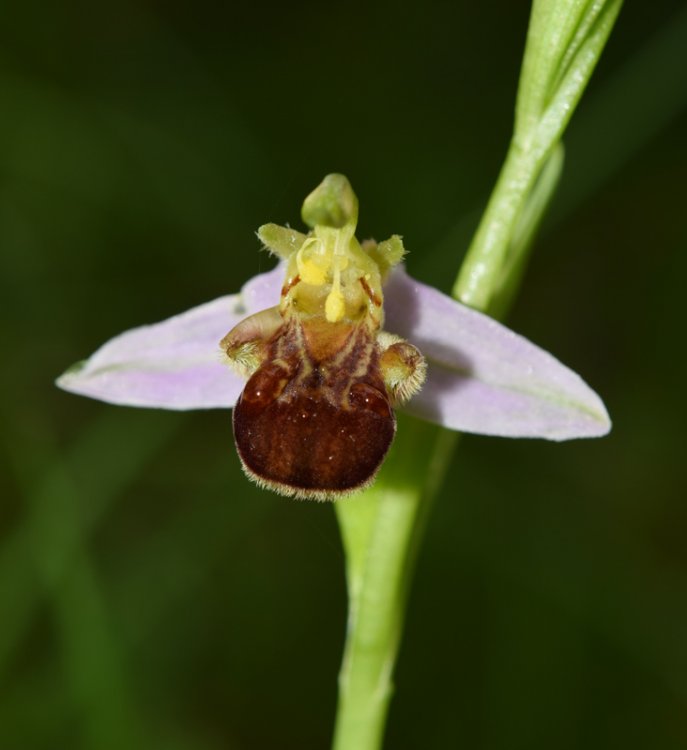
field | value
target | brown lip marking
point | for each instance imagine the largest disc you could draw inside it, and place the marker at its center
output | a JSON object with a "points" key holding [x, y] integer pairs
{"points": [[308, 423], [373, 297], [304, 445], [288, 287]]}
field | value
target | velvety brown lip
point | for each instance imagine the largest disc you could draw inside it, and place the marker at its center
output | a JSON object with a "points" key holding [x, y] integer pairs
{"points": [[310, 427]]}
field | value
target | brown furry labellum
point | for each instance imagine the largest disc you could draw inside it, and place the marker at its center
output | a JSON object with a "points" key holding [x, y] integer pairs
{"points": [[315, 419]]}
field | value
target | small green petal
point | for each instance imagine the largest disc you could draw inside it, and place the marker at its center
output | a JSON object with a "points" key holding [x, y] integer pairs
{"points": [[282, 241], [387, 254]]}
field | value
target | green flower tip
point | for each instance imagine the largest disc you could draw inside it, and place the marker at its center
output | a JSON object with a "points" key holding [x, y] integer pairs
{"points": [[332, 204]]}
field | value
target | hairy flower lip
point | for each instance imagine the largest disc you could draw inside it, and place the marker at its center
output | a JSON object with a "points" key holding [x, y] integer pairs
{"points": [[482, 377]]}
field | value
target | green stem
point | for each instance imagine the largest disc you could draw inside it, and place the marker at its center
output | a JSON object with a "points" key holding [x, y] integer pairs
{"points": [[382, 527], [564, 42], [381, 531], [480, 273]]}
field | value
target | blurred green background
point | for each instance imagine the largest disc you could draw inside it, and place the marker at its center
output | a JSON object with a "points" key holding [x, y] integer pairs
{"points": [[150, 597]]}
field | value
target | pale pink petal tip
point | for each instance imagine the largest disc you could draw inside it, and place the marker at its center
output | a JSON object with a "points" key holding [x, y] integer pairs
{"points": [[175, 364], [483, 377]]}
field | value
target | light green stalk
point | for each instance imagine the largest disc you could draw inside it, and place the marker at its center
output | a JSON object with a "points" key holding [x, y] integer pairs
{"points": [[381, 528], [564, 42]]}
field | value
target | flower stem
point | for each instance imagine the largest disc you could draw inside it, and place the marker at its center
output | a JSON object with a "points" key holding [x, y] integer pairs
{"points": [[382, 527], [381, 530], [564, 42], [479, 274]]}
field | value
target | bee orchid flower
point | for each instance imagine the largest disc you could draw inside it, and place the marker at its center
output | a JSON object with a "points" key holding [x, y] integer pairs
{"points": [[481, 377]]}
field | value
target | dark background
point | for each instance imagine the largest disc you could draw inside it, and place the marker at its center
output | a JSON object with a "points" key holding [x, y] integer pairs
{"points": [[150, 597]]}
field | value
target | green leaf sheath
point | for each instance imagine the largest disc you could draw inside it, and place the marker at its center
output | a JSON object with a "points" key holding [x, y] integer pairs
{"points": [[564, 42], [382, 527]]}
